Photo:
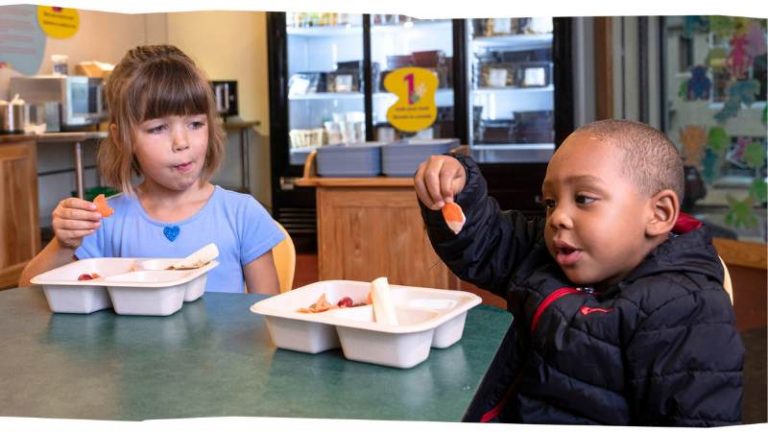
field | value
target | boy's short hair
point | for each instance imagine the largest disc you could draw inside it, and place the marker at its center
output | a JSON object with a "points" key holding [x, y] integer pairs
{"points": [[651, 160], [153, 81]]}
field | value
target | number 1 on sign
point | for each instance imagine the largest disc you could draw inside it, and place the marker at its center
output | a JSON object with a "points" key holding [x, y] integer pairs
{"points": [[412, 96]]}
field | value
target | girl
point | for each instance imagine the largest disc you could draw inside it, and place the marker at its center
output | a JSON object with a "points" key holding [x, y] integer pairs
{"points": [[163, 128]]}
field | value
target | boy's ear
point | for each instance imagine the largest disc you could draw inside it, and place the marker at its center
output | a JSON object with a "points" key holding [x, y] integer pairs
{"points": [[665, 208]]}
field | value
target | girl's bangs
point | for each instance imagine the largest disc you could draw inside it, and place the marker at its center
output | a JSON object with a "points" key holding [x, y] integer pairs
{"points": [[172, 90]]}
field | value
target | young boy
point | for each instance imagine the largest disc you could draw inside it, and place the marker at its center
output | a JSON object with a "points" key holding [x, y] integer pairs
{"points": [[620, 316]]}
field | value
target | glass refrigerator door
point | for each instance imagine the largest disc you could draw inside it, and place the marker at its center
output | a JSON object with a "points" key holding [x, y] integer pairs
{"points": [[398, 41], [325, 86], [512, 90]]}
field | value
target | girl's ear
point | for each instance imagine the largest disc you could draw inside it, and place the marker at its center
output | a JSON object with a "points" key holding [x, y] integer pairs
{"points": [[665, 208]]}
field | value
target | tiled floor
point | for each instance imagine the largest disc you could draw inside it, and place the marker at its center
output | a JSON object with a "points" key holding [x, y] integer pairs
{"points": [[755, 387]]}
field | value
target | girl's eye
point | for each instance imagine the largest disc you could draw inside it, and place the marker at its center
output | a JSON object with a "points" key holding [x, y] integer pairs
{"points": [[156, 129], [549, 203], [197, 124], [584, 199]]}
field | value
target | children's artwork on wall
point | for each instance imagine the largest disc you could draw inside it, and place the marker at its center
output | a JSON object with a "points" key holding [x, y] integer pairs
{"points": [[699, 85], [694, 139], [755, 37], [740, 213], [695, 24], [721, 26], [736, 152], [717, 57], [739, 92], [738, 59]]}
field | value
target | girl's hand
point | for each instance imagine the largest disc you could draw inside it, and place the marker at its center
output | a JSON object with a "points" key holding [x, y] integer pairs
{"points": [[438, 180], [74, 219]]}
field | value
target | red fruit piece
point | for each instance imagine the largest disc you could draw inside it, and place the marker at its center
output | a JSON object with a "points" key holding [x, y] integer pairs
{"points": [[84, 276], [345, 302]]}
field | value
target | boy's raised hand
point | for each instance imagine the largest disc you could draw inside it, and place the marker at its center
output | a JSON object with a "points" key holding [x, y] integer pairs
{"points": [[74, 219], [438, 180]]}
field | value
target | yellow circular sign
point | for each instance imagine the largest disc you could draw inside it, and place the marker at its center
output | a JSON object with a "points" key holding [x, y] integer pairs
{"points": [[58, 22], [415, 107]]}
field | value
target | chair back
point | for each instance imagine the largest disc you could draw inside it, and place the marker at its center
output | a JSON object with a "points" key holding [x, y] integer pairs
{"points": [[727, 285], [284, 256]]}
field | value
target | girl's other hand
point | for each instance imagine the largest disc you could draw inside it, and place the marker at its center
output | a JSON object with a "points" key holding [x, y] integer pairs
{"points": [[438, 180], [74, 219]]}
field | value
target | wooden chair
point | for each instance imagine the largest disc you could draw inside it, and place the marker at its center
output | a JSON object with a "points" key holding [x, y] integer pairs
{"points": [[284, 256], [727, 285]]}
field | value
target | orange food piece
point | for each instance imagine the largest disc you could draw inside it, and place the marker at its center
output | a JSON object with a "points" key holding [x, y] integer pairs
{"points": [[102, 206], [454, 216]]}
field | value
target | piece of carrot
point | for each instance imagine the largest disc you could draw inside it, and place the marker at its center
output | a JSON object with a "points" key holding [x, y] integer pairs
{"points": [[454, 216], [102, 206]]}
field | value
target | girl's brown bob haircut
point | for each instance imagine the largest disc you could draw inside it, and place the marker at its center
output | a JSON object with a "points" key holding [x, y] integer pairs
{"points": [[154, 81]]}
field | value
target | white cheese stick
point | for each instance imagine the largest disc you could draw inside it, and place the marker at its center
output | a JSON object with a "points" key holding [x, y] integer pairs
{"points": [[383, 306]]}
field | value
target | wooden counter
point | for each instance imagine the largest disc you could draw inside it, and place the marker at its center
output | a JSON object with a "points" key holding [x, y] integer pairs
{"points": [[19, 225], [371, 227]]}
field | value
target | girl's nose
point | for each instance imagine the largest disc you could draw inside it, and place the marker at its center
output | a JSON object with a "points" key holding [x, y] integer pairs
{"points": [[180, 141]]}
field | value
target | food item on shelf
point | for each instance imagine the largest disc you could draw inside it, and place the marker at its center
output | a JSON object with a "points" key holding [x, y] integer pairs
{"points": [[454, 217], [102, 206], [383, 305], [88, 276]]}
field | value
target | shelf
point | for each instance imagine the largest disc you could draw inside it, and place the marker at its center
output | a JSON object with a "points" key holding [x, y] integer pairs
{"points": [[356, 95], [326, 31], [520, 91], [513, 146], [413, 25], [522, 42], [327, 96]]}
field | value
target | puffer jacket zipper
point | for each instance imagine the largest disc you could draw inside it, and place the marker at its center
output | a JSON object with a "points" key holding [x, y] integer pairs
{"points": [[548, 300]]}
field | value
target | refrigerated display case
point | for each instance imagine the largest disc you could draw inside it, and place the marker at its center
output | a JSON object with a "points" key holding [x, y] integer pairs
{"points": [[326, 75], [512, 91], [399, 41]]}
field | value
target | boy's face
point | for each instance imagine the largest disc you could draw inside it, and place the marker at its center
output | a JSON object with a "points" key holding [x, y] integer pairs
{"points": [[596, 216]]}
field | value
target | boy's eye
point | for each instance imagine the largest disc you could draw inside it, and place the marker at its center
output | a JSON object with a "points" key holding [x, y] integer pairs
{"points": [[584, 199], [549, 203]]}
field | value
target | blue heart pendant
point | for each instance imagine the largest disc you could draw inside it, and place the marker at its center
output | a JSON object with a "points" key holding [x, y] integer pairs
{"points": [[171, 232]]}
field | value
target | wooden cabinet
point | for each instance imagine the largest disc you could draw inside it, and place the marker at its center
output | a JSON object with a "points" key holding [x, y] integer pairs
{"points": [[372, 227], [365, 232], [19, 226]]}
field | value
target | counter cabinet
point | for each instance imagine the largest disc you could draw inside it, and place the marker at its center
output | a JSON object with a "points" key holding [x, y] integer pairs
{"points": [[19, 224], [372, 227]]}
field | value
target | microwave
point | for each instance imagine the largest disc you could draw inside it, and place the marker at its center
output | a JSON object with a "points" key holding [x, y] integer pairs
{"points": [[80, 98]]}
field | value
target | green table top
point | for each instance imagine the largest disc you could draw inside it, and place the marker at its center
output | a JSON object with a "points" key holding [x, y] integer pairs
{"points": [[215, 358]]}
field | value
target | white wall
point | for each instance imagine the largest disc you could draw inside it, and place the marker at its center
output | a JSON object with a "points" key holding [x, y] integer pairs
{"points": [[101, 36], [233, 46], [227, 45]]}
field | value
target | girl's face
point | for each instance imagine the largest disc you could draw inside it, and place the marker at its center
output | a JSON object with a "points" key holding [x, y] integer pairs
{"points": [[596, 216], [171, 150]]}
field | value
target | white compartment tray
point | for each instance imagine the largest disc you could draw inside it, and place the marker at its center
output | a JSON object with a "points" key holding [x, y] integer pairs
{"points": [[427, 317], [123, 284]]}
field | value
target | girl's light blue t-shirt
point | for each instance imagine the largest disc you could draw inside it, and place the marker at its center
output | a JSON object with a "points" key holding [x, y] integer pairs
{"points": [[239, 226]]}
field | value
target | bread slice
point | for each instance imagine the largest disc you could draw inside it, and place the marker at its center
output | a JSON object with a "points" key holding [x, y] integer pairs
{"points": [[383, 305]]}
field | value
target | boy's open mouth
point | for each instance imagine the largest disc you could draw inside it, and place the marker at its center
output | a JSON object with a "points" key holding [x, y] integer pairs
{"points": [[567, 255]]}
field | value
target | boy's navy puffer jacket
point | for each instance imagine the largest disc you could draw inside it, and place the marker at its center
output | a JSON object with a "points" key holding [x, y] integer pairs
{"points": [[658, 348]]}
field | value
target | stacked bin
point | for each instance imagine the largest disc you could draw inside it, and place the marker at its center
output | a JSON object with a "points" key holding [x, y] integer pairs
{"points": [[349, 160], [402, 159]]}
